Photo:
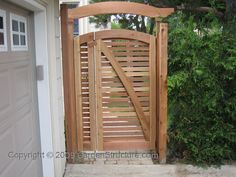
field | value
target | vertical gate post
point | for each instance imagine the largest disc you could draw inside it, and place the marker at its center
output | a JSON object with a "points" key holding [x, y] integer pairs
{"points": [[92, 98], [99, 95], [153, 92], [162, 56], [68, 82], [78, 94]]}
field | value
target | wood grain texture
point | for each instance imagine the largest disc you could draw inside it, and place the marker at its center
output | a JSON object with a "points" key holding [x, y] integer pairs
{"points": [[92, 96], [162, 43], [115, 114], [119, 7], [68, 81], [114, 34], [78, 94], [153, 91], [98, 87], [126, 145], [129, 88]]}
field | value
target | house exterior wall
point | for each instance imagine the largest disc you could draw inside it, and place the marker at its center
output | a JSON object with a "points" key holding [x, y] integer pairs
{"points": [[56, 86], [50, 90], [19, 123]]}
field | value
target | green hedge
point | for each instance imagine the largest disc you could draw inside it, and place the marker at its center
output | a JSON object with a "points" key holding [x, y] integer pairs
{"points": [[202, 91]]}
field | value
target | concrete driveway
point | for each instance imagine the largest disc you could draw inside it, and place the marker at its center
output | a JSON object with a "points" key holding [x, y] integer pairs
{"points": [[101, 170]]}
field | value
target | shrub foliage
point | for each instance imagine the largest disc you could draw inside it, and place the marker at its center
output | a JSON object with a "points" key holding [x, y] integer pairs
{"points": [[202, 90]]}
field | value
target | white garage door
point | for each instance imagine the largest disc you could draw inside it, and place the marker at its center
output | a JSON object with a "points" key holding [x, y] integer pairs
{"points": [[19, 125]]}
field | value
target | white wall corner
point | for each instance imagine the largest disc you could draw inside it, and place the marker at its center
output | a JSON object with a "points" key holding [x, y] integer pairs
{"points": [[53, 167], [44, 92], [55, 77]]}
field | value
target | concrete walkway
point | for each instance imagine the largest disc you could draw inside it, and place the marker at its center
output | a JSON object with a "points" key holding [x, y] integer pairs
{"points": [[96, 170]]}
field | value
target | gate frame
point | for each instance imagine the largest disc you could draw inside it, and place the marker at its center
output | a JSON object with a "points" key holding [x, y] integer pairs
{"points": [[114, 7]]}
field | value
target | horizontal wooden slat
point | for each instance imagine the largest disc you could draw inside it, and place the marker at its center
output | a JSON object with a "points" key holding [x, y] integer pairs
{"points": [[123, 99], [124, 43], [125, 138], [121, 123], [130, 133], [140, 78], [115, 84], [127, 59], [122, 89], [129, 49], [123, 109], [120, 114], [127, 69], [124, 145], [130, 53], [125, 64], [122, 128]]}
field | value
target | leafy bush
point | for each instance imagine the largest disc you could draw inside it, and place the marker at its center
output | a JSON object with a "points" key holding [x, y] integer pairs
{"points": [[202, 90]]}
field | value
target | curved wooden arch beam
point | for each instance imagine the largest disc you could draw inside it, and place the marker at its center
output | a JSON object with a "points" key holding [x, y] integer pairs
{"points": [[118, 7], [115, 34]]}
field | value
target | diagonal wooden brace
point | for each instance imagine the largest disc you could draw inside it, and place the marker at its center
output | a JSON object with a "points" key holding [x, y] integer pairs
{"points": [[129, 88]]}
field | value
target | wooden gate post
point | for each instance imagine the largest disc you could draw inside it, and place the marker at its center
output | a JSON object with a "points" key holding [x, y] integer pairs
{"points": [[68, 82], [162, 56]]}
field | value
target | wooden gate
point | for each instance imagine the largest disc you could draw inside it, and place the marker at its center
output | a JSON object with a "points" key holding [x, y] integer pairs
{"points": [[115, 83], [115, 75]]}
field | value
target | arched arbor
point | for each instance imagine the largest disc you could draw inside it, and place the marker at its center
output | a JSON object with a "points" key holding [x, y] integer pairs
{"points": [[115, 82]]}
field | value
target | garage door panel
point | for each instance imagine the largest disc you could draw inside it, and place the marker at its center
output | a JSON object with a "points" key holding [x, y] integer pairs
{"points": [[12, 57], [11, 117], [5, 103], [15, 86], [31, 170], [21, 165], [21, 83], [23, 130], [17, 167], [7, 145], [17, 136], [19, 124]]}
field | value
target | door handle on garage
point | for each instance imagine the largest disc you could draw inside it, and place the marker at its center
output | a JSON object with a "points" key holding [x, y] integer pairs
{"points": [[40, 72]]}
